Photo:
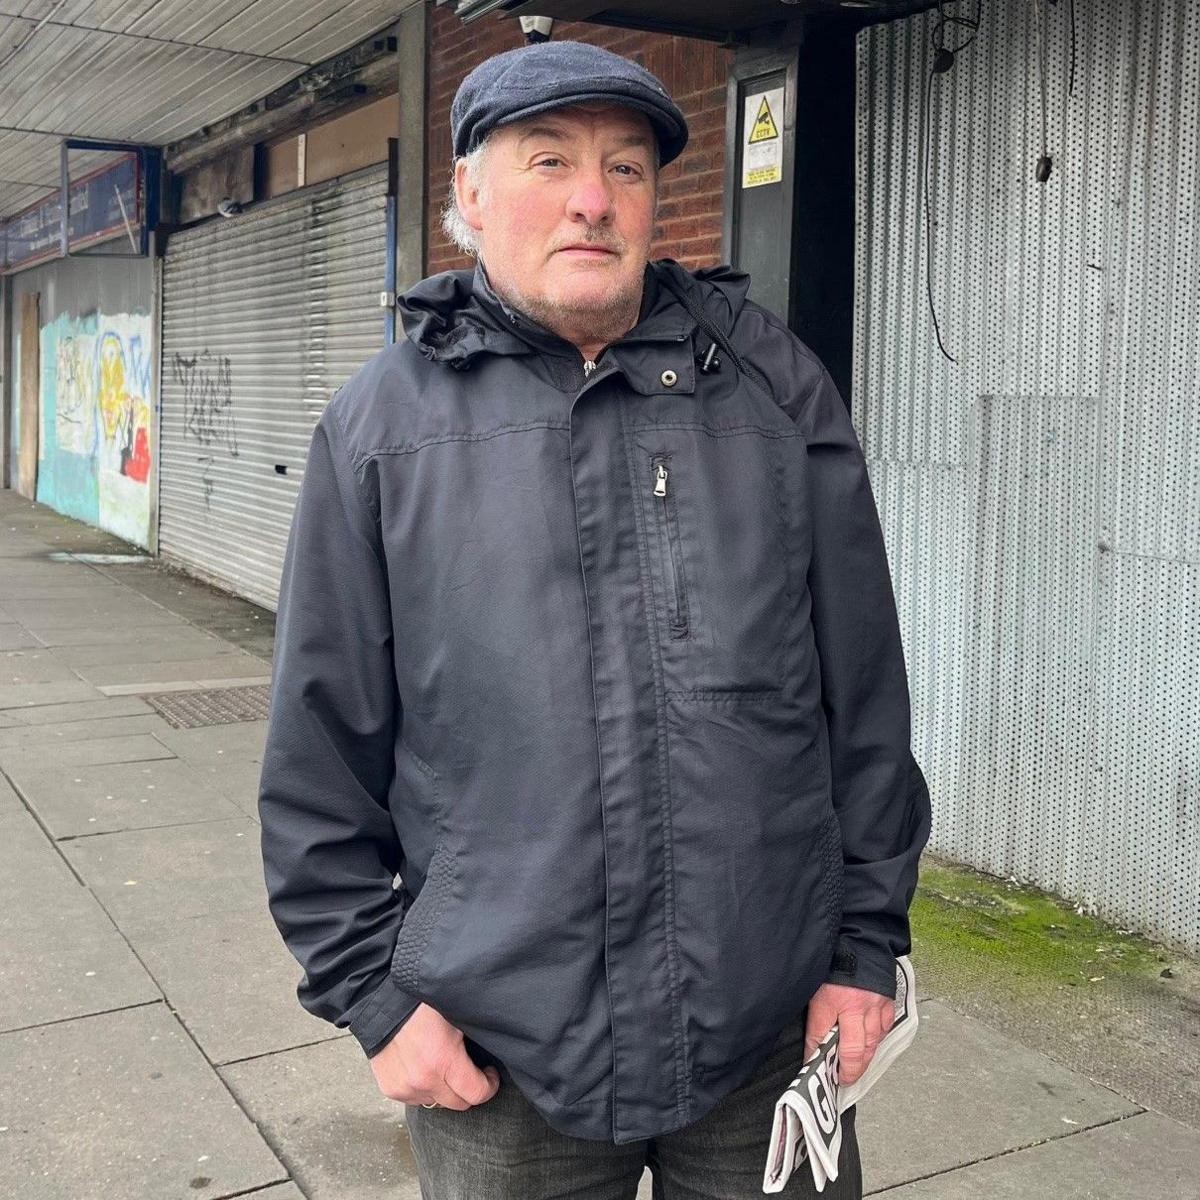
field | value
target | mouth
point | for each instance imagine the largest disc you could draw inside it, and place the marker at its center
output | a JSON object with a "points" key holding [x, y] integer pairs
{"points": [[587, 251]]}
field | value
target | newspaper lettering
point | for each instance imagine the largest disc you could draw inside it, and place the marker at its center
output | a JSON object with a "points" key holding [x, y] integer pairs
{"points": [[808, 1116], [822, 1090]]}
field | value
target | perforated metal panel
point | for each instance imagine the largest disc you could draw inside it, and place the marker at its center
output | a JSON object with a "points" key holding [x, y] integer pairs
{"points": [[264, 316], [1041, 495]]}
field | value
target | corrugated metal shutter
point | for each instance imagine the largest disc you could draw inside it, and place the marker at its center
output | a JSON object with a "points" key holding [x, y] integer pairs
{"points": [[265, 315], [1039, 495]]}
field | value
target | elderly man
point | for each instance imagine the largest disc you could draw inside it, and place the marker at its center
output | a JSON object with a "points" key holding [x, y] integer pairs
{"points": [[586, 632]]}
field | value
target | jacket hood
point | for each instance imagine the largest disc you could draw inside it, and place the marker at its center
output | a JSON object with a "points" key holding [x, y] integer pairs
{"points": [[454, 316]]}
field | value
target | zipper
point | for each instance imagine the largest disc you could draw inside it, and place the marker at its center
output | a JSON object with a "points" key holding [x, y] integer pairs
{"points": [[668, 526], [590, 364]]}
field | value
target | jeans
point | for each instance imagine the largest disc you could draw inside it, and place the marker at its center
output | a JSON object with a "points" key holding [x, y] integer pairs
{"points": [[504, 1150]]}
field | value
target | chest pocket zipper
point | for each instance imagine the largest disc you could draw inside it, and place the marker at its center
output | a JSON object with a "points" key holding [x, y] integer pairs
{"points": [[667, 521]]}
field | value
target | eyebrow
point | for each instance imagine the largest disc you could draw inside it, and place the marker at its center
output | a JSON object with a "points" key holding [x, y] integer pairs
{"points": [[555, 131]]}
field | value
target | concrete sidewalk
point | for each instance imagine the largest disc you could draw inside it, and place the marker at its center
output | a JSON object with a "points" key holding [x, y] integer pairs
{"points": [[151, 1044]]}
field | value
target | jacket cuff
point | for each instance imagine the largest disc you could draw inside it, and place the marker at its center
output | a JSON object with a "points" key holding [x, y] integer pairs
{"points": [[859, 964], [381, 1015]]}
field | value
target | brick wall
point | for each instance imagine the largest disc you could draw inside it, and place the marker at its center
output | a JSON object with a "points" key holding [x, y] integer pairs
{"points": [[694, 72]]}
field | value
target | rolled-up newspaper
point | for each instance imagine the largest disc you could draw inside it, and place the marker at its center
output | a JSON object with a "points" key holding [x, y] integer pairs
{"points": [[808, 1116]]}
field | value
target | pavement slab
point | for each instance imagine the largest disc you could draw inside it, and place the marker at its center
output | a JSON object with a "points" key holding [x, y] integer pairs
{"points": [[33, 666], [29, 695], [20, 548], [16, 637], [238, 781], [229, 756], [47, 569], [231, 980], [122, 1104], [41, 588], [232, 665], [16, 736], [86, 800], [322, 1110], [963, 1092], [185, 643], [1145, 1155], [217, 745], [84, 752], [176, 871], [123, 635], [60, 954], [80, 710], [112, 607]]}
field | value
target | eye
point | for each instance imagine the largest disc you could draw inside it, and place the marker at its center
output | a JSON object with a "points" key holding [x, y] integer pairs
{"points": [[631, 170], [545, 162]]}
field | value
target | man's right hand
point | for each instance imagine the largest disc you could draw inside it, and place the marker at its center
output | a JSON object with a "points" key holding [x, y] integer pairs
{"points": [[427, 1061]]}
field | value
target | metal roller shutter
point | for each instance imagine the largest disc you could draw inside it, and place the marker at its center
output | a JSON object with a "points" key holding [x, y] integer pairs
{"points": [[265, 315]]}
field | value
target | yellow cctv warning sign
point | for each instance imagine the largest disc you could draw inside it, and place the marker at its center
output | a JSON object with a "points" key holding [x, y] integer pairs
{"points": [[762, 143], [764, 124]]}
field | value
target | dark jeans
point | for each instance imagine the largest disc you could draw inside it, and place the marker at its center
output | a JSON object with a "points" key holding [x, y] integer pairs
{"points": [[504, 1150]]}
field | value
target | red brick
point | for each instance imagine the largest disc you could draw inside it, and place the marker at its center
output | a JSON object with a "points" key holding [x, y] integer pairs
{"points": [[693, 71]]}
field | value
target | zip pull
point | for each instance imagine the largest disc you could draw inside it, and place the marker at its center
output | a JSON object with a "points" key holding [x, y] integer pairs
{"points": [[588, 367], [660, 480]]}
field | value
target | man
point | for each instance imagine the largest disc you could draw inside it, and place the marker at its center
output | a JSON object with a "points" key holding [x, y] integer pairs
{"points": [[586, 632]]}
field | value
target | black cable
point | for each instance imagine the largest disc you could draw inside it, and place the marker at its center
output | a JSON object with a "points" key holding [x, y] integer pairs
{"points": [[943, 60], [928, 228]]}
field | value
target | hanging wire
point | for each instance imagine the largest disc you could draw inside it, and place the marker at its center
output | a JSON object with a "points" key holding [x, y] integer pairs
{"points": [[943, 60]]}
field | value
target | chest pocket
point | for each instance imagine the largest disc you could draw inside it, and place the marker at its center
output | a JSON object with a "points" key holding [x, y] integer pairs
{"points": [[722, 518]]}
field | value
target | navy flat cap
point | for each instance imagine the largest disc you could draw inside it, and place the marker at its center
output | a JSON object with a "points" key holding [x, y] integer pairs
{"points": [[536, 78]]}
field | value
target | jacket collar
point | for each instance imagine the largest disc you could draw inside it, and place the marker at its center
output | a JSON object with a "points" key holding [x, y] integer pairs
{"points": [[660, 317], [456, 316]]}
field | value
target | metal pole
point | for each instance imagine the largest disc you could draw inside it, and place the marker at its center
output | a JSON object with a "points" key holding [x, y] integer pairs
{"points": [[389, 271]]}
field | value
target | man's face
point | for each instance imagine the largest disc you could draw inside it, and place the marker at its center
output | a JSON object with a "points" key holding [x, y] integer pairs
{"points": [[564, 211]]}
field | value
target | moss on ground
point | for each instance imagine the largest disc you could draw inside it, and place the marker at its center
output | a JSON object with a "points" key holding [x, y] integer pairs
{"points": [[1106, 1002], [1026, 935]]}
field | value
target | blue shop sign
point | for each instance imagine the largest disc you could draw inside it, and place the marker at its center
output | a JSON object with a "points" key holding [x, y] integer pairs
{"points": [[95, 215]]}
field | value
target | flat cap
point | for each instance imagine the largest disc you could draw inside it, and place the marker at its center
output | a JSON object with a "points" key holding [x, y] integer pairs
{"points": [[546, 75]]}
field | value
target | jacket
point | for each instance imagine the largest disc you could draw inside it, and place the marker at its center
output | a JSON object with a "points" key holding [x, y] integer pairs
{"points": [[589, 723]]}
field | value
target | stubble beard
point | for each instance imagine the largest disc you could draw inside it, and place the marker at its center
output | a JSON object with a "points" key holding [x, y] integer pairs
{"points": [[603, 317]]}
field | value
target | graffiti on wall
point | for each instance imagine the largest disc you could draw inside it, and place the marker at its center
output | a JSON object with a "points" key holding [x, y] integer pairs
{"points": [[207, 383], [124, 411], [75, 402], [96, 415]]}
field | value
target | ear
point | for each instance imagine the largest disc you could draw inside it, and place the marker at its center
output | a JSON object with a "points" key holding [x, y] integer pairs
{"points": [[466, 192]]}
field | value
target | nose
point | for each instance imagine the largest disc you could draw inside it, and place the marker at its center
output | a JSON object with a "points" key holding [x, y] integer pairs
{"points": [[591, 197]]}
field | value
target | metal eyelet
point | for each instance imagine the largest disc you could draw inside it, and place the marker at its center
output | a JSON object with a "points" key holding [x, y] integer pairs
{"points": [[669, 378]]}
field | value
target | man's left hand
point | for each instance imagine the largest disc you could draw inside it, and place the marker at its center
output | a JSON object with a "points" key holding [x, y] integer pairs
{"points": [[863, 1017]]}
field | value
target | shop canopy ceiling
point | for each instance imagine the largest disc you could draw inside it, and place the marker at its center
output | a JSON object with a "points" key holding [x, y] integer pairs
{"points": [[716, 19], [149, 71]]}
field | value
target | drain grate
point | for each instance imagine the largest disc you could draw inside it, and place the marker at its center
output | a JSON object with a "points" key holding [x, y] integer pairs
{"points": [[221, 706]]}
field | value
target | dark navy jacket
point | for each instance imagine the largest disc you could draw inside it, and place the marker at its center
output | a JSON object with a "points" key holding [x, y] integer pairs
{"points": [[606, 667]]}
